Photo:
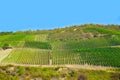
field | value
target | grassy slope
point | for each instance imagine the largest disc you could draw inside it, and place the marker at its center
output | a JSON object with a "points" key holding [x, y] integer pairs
{"points": [[101, 30], [56, 73]]}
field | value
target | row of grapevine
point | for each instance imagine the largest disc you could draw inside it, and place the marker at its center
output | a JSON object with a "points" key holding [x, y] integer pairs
{"points": [[29, 50], [98, 56], [88, 52], [102, 51], [28, 56], [15, 40], [103, 57], [41, 37], [35, 44], [88, 43]]}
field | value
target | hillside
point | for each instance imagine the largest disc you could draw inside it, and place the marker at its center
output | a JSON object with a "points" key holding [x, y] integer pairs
{"points": [[81, 52], [89, 44]]}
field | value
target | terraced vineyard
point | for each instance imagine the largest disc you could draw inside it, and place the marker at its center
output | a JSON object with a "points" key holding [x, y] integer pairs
{"points": [[41, 37], [28, 49], [40, 49], [28, 56], [104, 51], [15, 40]]}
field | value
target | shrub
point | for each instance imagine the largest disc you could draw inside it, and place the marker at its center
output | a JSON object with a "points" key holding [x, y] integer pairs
{"points": [[6, 46]]}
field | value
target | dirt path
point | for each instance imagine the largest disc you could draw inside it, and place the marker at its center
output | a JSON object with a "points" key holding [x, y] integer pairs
{"points": [[4, 53], [89, 67]]}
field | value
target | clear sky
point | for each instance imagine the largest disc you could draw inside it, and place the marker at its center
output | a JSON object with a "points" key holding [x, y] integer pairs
{"points": [[48, 14]]}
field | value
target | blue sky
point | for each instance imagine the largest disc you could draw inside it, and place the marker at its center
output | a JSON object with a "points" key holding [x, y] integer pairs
{"points": [[48, 14]]}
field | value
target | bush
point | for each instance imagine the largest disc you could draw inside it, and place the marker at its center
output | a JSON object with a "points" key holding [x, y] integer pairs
{"points": [[20, 70], [82, 77], [6, 46]]}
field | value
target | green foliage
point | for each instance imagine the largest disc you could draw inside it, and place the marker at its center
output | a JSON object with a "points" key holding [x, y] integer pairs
{"points": [[28, 56], [14, 78], [97, 51], [5, 33], [41, 37], [6, 46], [20, 70], [115, 76], [101, 56], [35, 44], [102, 30], [54, 74], [16, 40], [89, 44], [4, 76]]}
